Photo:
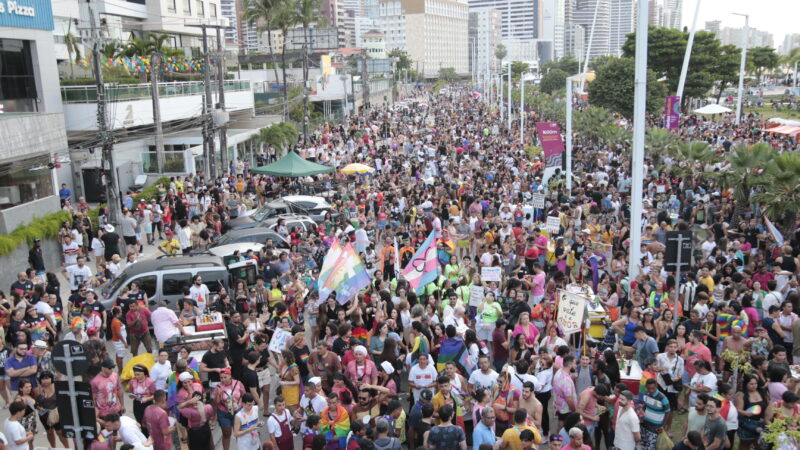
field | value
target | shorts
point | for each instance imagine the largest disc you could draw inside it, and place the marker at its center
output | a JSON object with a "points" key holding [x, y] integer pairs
{"points": [[381, 224], [225, 419], [264, 378], [485, 334], [562, 416], [120, 348], [311, 319], [463, 243], [130, 240], [43, 420]]}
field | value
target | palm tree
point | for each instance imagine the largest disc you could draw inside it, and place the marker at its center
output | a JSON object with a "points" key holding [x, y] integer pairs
{"points": [[780, 196], [659, 142], [111, 50], [591, 122], [71, 41], [743, 165], [261, 14], [285, 15], [692, 153]]}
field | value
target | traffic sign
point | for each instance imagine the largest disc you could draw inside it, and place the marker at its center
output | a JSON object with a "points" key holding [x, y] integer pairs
{"points": [[72, 353], [678, 255], [84, 421]]}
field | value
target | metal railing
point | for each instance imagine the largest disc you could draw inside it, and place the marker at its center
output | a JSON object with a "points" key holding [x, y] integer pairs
{"points": [[126, 92]]}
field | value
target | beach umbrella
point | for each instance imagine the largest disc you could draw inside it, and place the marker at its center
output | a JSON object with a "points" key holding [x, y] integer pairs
{"points": [[357, 168]]}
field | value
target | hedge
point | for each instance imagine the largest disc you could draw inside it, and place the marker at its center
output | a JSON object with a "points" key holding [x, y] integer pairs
{"points": [[151, 192], [43, 228]]}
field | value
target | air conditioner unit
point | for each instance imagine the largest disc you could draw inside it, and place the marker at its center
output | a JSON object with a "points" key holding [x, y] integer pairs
{"points": [[9, 195]]}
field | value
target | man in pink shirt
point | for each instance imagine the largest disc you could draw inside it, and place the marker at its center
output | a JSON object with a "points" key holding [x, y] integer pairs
{"points": [[540, 241], [537, 290], [107, 390], [166, 324], [156, 420], [695, 350]]}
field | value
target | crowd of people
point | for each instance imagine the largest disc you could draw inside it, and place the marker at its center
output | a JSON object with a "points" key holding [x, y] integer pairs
{"points": [[437, 367]]}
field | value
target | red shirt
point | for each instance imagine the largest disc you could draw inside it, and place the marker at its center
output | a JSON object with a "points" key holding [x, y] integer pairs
{"points": [[156, 420], [143, 314]]}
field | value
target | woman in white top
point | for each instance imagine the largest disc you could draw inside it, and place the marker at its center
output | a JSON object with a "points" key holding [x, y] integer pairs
{"points": [[161, 370], [544, 373], [552, 341], [246, 425]]}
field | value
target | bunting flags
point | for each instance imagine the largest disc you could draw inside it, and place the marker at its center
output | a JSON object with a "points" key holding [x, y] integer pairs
{"points": [[424, 265], [342, 272]]}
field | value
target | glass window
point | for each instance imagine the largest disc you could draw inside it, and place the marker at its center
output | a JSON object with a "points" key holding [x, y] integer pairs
{"points": [[24, 181], [201, 10], [173, 162], [214, 279], [17, 82], [213, 10], [171, 7], [187, 7], [173, 283], [148, 284]]}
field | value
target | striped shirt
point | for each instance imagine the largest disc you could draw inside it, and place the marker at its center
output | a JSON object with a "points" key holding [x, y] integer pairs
{"points": [[656, 407]]}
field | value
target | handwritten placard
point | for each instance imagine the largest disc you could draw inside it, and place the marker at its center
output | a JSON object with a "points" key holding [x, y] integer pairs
{"points": [[553, 224], [570, 312], [491, 273], [537, 201], [475, 296], [279, 340]]}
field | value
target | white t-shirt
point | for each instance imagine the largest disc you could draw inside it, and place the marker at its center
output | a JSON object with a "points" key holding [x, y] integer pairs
{"points": [[708, 380], [421, 377], [627, 424], [484, 380], [249, 441], [98, 246], [159, 373], [14, 431], [44, 310], [274, 427], [200, 295], [71, 252], [316, 404], [129, 431], [78, 275]]}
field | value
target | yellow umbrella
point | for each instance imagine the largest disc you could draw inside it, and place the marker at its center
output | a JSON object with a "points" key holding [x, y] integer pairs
{"points": [[357, 168]]}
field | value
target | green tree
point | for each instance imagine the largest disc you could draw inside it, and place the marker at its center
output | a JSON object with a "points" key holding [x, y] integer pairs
{"points": [[518, 68], [279, 136], [740, 174], [780, 196], [568, 64], [592, 122], [261, 14], [761, 59], [403, 60], [500, 52], [553, 81], [308, 12], [448, 74], [659, 142], [111, 49], [285, 15], [726, 67], [72, 43], [613, 88]]}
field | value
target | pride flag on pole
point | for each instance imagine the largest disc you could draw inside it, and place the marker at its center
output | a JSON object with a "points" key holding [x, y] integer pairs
{"points": [[424, 265], [342, 272], [775, 233]]}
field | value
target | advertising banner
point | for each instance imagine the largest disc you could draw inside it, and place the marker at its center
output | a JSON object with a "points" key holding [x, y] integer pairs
{"points": [[552, 145], [672, 112]]}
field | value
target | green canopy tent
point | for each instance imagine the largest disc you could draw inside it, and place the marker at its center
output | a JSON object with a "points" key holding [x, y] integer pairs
{"points": [[292, 165]]}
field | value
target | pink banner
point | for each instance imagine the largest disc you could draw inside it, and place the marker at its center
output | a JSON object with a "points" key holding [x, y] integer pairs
{"points": [[552, 145], [672, 113]]}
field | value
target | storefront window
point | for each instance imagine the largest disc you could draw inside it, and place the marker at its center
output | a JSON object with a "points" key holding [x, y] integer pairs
{"points": [[25, 181], [17, 82]]}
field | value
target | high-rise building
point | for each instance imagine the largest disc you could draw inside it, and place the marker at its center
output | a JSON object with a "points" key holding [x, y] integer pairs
{"points": [[519, 19], [622, 23], [393, 24], [436, 33], [675, 9], [484, 34], [553, 24], [594, 17], [756, 38], [790, 42], [665, 13], [713, 26]]}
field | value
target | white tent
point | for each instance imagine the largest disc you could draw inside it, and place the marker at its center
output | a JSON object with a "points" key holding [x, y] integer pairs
{"points": [[712, 108], [779, 121]]}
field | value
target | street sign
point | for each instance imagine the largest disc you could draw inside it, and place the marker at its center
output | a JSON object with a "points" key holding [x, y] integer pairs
{"points": [[85, 420], [72, 353], [678, 254]]}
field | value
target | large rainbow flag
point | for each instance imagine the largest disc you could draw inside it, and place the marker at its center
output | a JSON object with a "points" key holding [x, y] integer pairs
{"points": [[424, 265], [726, 323], [451, 350], [335, 430], [342, 272]]}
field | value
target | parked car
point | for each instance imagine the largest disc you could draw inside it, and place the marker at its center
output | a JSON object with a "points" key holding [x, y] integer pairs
{"points": [[306, 223], [164, 278], [258, 234], [314, 207]]}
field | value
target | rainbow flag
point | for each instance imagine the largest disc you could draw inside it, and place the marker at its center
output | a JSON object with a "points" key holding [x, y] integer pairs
{"points": [[336, 430], [451, 350], [726, 323], [424, 265], [342, 272]]}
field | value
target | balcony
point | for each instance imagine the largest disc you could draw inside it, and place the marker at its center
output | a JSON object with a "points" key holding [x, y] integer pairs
{"points": [[130, 105]]}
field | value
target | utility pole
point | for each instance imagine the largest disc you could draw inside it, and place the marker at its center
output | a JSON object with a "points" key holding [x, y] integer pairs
{"points": [[223, 129], [364, 80], [155, 69], [741, 67], [106, 136]]}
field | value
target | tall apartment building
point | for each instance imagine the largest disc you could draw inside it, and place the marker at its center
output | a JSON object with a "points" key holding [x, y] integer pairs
{"points": [[393, 24], [713, 26], [756, 38], [520, 19], [553, 25], [790, 42], [484, 34], [622, 23], [675, 9], [436, 32], [595, 14]]}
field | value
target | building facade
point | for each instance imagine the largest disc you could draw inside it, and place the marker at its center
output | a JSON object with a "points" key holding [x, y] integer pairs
{"points": [[790, 42], [622, 23], [755, 38], [521, 20], [484, 35], [594, 17]]}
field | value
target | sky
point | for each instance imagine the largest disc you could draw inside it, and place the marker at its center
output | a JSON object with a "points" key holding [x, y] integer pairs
{"points": [[779, 17]]}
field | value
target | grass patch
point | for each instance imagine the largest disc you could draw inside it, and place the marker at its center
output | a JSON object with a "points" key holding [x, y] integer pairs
{"points": [[769, 113]]}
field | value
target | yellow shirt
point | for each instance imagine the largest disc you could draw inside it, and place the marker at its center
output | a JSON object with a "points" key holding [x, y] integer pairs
{"points": [[170, 246], [708, 281], [439, 401], [511, 437]]}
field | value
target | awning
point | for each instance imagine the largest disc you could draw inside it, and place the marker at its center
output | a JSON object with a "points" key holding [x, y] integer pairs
{"points": [[292, 165], [784, 129]]}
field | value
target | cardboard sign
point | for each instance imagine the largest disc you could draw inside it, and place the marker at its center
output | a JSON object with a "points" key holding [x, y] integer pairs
{"points": [[569, 315], [537, 201], [475, 296], [553, 224], [491, 273], [279, 340]]}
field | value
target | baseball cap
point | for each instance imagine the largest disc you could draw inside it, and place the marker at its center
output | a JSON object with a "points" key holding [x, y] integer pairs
{"points": [[426, 395], [108, 364]]}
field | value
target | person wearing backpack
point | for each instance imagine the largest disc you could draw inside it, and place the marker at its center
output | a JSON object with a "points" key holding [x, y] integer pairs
{"points": [[383, 441]]}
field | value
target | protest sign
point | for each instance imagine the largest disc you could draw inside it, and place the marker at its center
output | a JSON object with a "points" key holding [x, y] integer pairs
{"points": [[491, 273], [279, 340], [475, 296], [569, 315], [537, 201], [553, 224]]}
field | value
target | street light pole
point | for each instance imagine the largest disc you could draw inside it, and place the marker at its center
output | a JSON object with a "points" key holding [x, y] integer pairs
{"points": [[570, 80], [688, 54], [522, 110], [741, 67], [639, 107]]}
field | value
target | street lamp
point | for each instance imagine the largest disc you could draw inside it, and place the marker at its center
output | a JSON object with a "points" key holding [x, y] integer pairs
{"points": [[570, 81], [741, 67], [522, 81]]}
